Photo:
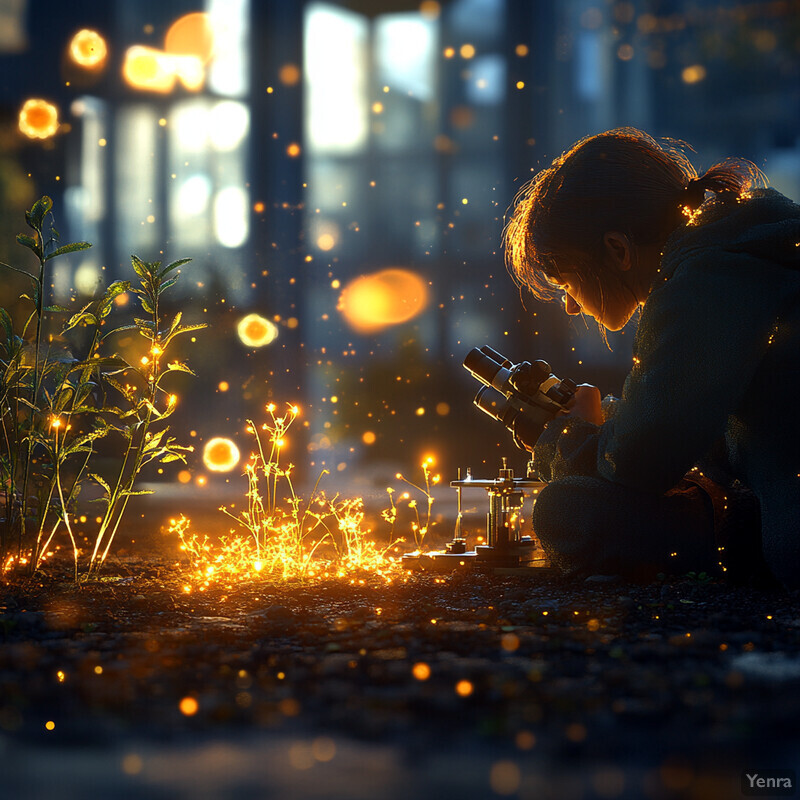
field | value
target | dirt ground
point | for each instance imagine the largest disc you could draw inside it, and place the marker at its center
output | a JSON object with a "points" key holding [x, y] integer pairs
{"points": [[466, 685]]}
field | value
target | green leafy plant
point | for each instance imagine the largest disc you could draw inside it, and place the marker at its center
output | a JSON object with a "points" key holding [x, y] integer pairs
{"points": [[63, 389]]}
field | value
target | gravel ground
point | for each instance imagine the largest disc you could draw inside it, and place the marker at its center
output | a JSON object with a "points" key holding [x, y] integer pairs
{"points": [[465, 685]]}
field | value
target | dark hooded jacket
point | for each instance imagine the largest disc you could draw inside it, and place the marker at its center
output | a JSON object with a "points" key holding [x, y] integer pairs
{"points": [[716, 375]]}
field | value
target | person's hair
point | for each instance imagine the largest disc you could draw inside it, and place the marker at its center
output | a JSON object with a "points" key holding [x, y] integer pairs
{"points": [[621, 180]]}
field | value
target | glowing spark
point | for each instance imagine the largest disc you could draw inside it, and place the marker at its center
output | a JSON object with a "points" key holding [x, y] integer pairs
{"points": [[38, 119], [421, 671], [464, 688]]}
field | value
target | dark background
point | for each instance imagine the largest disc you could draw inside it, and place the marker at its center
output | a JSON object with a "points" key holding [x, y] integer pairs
{"points": [[475, 96]]}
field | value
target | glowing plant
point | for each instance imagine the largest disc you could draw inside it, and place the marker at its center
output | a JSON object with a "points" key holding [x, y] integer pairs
{"points": [[286, 537], [61, 392], [420, 526]]}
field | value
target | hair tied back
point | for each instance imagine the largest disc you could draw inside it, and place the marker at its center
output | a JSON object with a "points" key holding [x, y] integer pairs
{"points": [[694, 194]]}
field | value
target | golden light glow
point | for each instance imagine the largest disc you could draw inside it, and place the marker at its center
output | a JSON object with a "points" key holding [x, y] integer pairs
{"points": [[191, 35], [153, 70], [693, 74], [148, 68], [256, 331], [388, 297], [38, 119], [289, 74], [220, 454], [368, 437], [421, 671], [326, 241], [188, 706], [293, 150], [283, 536], [464, 688], [88, 49]]}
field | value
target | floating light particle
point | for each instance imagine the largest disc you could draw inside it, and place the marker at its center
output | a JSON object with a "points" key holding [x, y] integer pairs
{"points": [[132, 764], [625, 52], [163, 123], [61, 676], [467, 51], [377, 108], [188, 706], [323, 749], [184, 476], [256, 331], [525, 740], [421, 671], [449, 52], [88, 49], [693, 74], [335, 283], [326, 241], [220, 454], [509, 642], [521, 50], [289, 74], [368, 437], [442, 409], [464, 688], [293, 150], [520, 84], [420, 412], [98, 670], [258, 207], [430, 9], [38, 119], [50, 725], [504, 778]]}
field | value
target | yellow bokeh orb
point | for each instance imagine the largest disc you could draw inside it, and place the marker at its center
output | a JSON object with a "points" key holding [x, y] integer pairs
{"points": [[88, 49], [256, 331], [220, 454]]}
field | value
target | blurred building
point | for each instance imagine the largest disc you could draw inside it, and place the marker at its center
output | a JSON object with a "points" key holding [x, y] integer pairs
{"points": [[342, 169]]}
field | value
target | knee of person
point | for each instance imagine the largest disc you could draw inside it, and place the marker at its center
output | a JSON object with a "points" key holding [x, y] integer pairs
{"points": [[553, 514]]}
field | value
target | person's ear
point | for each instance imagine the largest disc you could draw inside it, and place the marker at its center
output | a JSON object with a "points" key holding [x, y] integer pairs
{"points": [[618, 250]]}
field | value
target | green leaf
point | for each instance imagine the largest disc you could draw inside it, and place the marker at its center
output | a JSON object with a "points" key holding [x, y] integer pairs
{"points": [[31, 243], [35, 217], [188, 328], [174, 265], [97, 479], [144, 300], [68, 248], [140, 267], [115, 289], [8, 325], [58, 309], [167, 284]]}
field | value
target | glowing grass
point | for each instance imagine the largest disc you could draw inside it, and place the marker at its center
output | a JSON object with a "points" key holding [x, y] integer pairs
{"points": [[290, 538]]}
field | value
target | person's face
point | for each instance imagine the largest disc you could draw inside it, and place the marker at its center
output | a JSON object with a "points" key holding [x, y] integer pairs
{"points": [[611, 304]]}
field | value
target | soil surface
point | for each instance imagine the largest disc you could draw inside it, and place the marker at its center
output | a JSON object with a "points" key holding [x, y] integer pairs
{"points": [[463, 685]]}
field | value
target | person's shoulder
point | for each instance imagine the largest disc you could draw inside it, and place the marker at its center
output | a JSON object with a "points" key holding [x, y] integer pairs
{"points": [[762, 224]]}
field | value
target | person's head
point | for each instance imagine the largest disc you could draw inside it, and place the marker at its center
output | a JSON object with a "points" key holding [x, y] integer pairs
{"points": [[590, 228]]}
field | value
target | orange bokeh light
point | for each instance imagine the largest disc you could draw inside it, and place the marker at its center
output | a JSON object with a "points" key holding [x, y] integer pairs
{"points": [[88, 49], [220, 454], [191, 35], [38, 119], [255, 331], [388, 297]]}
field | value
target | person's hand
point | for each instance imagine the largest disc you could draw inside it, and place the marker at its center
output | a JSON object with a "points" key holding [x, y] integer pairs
{"points": [[586, 404]]}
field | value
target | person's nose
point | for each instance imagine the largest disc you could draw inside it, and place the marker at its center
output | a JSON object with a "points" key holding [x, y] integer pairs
{"points": [[571, 305]]}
